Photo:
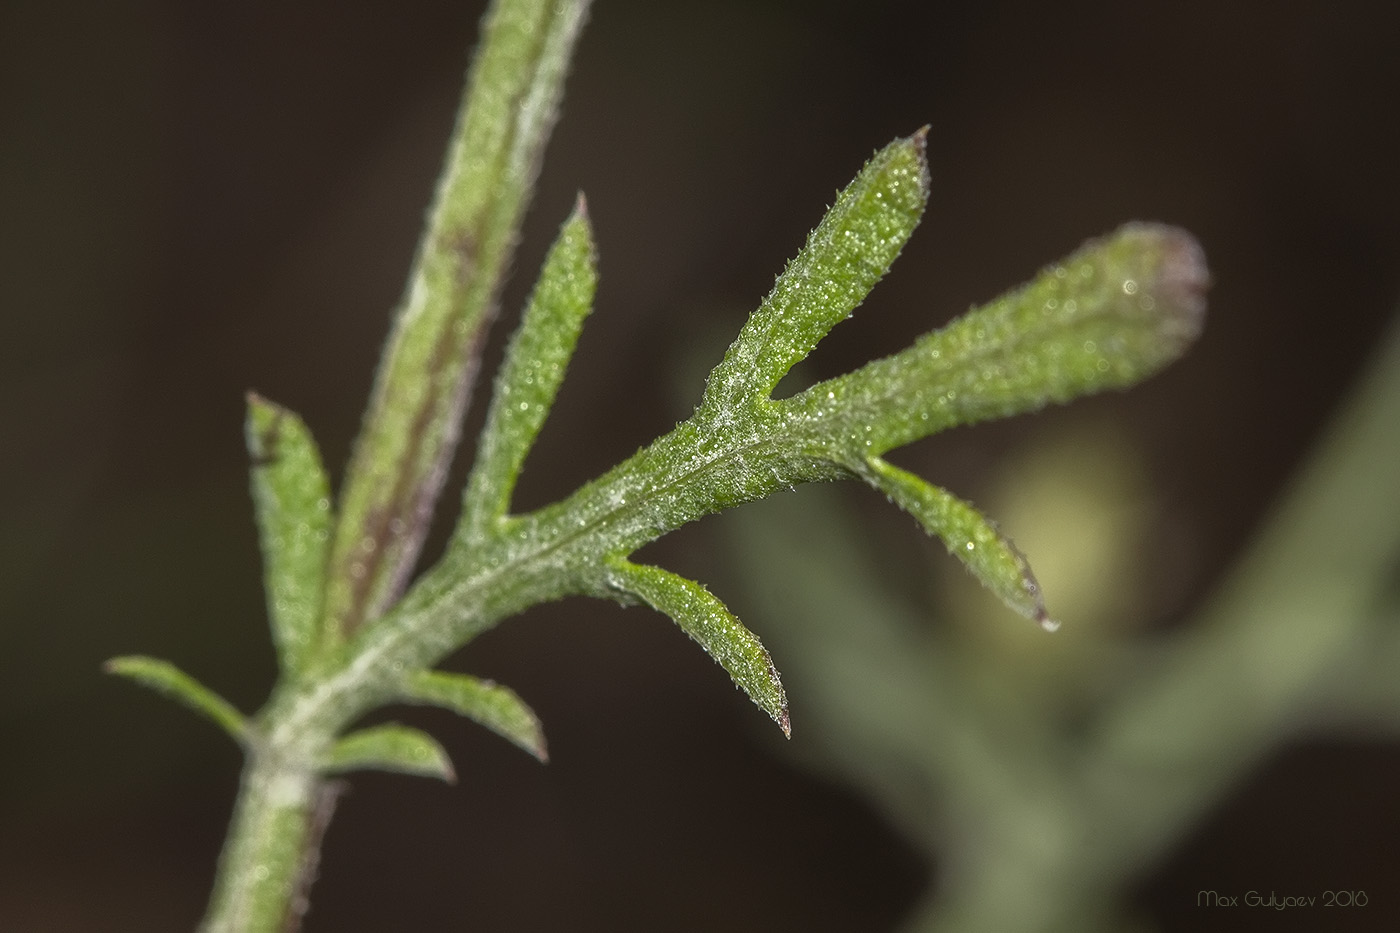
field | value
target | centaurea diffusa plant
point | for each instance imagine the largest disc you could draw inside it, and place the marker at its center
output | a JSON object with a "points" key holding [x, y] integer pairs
{"points": [[355, 632]]}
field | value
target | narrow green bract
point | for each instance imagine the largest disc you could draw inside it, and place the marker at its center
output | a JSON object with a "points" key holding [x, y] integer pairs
{"points": [[530, 375], [705, 619], [848, 252], [970, 536], [292, 503], [390, 747], [166, 678], [485, 702]]}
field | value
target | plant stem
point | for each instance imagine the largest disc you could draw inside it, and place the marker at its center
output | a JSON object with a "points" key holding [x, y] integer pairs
{"points": [[262, 871], [424, 382], [410, 433]]}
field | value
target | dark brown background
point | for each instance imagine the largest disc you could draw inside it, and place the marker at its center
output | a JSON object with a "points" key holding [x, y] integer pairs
{"points": [[200, 198]]}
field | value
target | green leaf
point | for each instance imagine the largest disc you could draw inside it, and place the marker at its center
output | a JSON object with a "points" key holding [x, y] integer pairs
{"points": [[292, 502], [1115, 312], [166, 678], [969, 535], [425, 377], [529, 377], [848, 252], [391, 747], [496, 707], [705, 619]]}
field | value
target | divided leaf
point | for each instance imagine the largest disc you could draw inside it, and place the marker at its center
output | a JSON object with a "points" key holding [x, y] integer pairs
{"points": [[969, 535], [1112, 314], [292, 502], [166, 678], [390, 747], [705, 619], [848, 252], [534, 366], [496, 707]]}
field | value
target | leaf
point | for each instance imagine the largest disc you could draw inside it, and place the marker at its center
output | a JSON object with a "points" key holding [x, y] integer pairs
{"points": [[969, 535], [496, 707], [1115, 312], [848, 252], [705, 619], [166, 678], [292, 502], [391, 747], [534, 366]]}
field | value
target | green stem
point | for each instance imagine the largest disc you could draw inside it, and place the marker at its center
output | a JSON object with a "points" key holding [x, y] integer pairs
{"points": [[414, 418], [401, 458], [264, 868]]}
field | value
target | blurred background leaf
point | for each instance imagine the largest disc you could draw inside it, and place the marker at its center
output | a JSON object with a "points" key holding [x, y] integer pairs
{"points": [[196, 200]]}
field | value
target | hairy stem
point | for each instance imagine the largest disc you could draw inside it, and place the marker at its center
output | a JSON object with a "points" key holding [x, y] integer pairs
{"points": [[414, 419], [406, 444], [263, 873]]}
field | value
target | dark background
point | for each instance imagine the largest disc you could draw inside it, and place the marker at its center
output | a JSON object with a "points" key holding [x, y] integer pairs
{"points": [[201, 198]]}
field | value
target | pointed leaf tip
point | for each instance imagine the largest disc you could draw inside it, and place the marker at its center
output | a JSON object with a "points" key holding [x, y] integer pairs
{"points": [[969, 536], [850, 250], [528, 381], [709, 622], [164, 677], [485, 702]]}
